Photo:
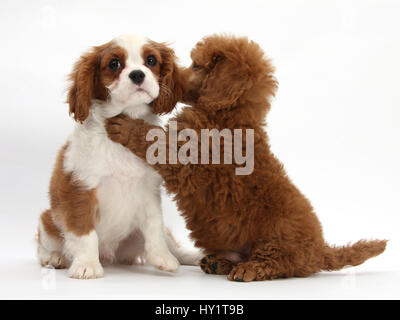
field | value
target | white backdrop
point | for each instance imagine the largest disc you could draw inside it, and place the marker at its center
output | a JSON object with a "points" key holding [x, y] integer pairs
{"points": [[334, 124]]}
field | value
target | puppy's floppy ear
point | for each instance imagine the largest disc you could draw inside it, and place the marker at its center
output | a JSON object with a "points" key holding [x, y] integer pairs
{"points": [[170, 83], [83, 79], [225, 83]]}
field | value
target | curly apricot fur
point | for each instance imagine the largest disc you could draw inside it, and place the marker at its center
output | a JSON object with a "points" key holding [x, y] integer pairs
{"points": [[262, 216]]}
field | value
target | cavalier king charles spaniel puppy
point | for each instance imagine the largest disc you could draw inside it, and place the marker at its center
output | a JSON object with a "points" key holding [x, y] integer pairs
{"points": [[105, 202]]}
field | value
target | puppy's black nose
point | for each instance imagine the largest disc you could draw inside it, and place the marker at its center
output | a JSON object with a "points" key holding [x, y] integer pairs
{"points": [[137, 76]]}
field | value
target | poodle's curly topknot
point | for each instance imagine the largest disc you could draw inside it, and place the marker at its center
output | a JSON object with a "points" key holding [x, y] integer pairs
{"points": [[237, 70]]}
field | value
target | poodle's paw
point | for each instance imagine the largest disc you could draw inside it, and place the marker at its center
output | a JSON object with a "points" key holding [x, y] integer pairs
{"points": [[54, 259], [212, 264], [165, 262], [243, 273], [86, 270]]}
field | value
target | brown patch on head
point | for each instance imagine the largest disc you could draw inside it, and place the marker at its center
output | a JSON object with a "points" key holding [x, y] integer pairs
{"points": [[151, 53], [111, 56], [91, 75], [168, 75], [226, 69]]}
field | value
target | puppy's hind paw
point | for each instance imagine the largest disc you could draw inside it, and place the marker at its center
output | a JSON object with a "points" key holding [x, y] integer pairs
{"points": [[242, 273], [164, 262]]}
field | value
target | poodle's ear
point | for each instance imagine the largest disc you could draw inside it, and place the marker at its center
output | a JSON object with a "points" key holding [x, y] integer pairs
{"points": [[82, 79], [225, 83], [170, 84]]}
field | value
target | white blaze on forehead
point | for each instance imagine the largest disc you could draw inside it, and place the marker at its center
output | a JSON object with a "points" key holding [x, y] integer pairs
{"points": [[133, 45]]}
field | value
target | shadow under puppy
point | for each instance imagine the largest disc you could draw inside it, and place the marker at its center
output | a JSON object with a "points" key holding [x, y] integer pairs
{"points": [[105, 201], [253, 227]]}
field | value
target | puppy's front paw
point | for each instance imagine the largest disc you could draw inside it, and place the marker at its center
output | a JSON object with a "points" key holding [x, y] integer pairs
{"points": [[122, 129], [54, 259], [165, 262], [86, 270], [117, 129]]}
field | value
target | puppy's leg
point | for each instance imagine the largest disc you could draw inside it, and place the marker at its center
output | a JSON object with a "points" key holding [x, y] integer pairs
{"points": [[156, 249], [272, 259], [268, 261], [50, 243], [84, 253], [185, 257]]}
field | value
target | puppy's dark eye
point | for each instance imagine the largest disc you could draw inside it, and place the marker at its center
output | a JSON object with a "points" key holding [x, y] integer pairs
{"points": [[195, 66], [151, 60], [114, 64]]}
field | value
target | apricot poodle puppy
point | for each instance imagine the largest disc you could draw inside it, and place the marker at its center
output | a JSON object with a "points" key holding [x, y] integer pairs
{"points": [[252, 227]]}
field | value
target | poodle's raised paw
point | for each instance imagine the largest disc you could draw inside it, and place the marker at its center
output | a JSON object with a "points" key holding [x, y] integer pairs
{"points": [[213, 264]]}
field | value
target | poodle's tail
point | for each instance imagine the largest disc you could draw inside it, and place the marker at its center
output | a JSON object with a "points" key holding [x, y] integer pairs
{"points": [[335, 258]]}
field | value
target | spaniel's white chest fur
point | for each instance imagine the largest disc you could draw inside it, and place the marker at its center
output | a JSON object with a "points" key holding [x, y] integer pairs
{"points": [[126, 187]]}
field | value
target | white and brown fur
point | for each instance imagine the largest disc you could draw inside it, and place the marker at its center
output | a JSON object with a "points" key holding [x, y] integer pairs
{"points": [[105, 202]]}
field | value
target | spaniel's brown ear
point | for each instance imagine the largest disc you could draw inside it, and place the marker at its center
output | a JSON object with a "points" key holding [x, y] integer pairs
{"points": [[170, 83], [225, 83], [82, 80]]}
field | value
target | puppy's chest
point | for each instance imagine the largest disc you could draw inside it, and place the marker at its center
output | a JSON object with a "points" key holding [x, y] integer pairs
{"points": [[119, 207], [122, 181], [122, 198], [93, 158]]}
